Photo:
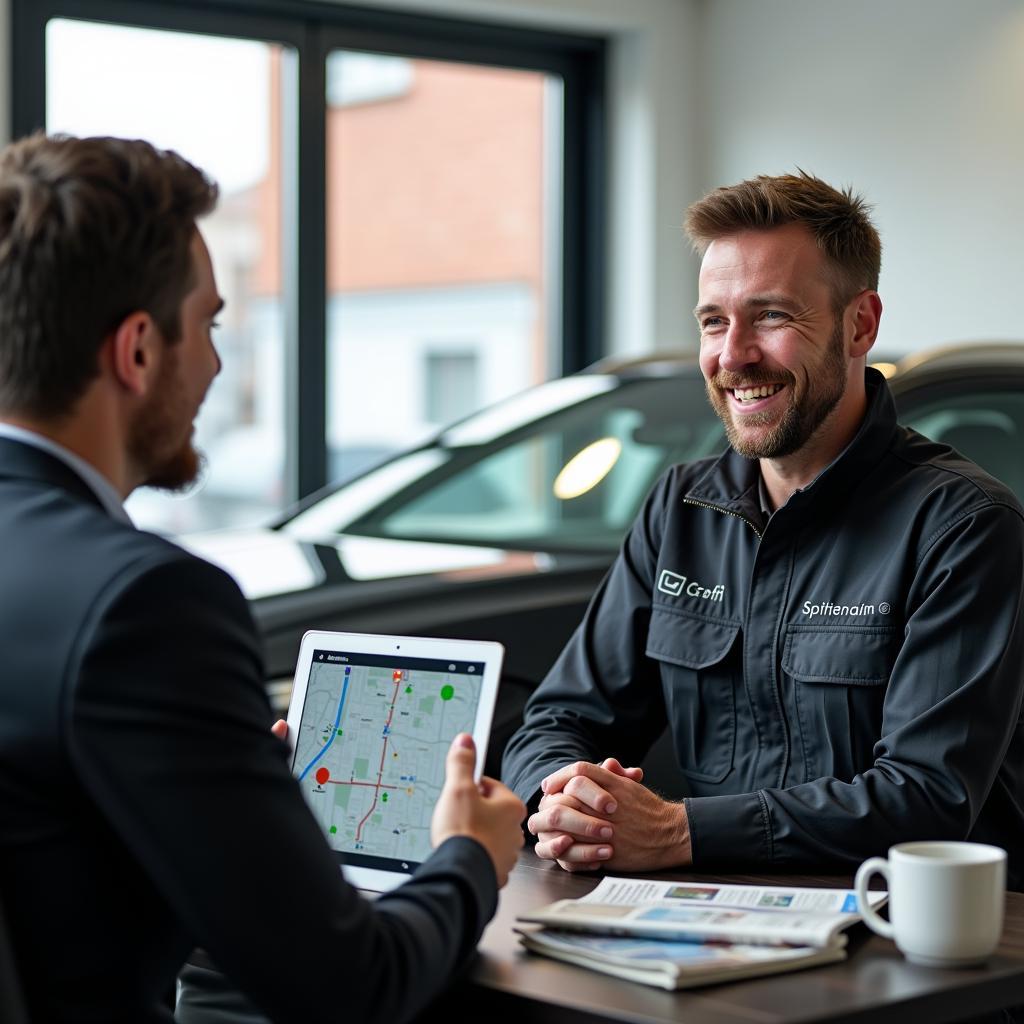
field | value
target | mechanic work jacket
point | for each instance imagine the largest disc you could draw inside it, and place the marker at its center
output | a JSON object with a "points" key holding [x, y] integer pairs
{"points": [[841, 677]]}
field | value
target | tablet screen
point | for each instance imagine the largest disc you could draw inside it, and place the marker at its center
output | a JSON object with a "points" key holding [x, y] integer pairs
{"points": [[370, 749]]}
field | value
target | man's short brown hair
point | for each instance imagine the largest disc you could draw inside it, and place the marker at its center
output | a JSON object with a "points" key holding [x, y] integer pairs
{"points": [[91, 230], [838, 221]]}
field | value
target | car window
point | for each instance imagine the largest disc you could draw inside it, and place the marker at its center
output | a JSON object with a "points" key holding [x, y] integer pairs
{"points": [[574, 481], [985, 424]]}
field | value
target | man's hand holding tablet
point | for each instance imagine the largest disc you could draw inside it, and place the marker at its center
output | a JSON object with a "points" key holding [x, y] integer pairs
{"points": [[488, 812]]}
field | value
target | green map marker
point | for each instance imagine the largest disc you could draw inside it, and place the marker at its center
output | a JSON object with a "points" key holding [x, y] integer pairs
{"points": [[447, 692], [333, 829], [408, 689], [384, 797]]}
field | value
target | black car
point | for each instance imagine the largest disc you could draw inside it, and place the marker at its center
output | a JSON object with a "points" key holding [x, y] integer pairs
{"points": [[502, 526]]}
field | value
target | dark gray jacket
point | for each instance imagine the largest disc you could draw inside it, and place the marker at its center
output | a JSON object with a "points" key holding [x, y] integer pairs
{"points": [[842, 677]]}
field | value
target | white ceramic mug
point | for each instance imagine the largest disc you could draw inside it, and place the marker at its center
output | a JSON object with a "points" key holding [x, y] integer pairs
{"points": [[945, 901]]}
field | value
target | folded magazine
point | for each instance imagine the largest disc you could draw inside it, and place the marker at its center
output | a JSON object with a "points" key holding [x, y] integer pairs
{"points": [[682, 934]]}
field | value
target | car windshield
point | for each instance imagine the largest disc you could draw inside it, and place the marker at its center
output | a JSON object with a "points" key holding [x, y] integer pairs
{"points": [[985, 423], [572, 480]]}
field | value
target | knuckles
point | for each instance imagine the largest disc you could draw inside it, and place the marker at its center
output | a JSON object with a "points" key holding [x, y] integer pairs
{"points": [[577, 784]]}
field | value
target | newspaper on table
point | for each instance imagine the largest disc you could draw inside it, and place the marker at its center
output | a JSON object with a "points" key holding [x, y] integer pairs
{"points": [[674, 965], [761, 915]]}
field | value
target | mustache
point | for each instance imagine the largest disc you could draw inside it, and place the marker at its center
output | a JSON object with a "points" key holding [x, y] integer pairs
{"points": [[727, 380]]}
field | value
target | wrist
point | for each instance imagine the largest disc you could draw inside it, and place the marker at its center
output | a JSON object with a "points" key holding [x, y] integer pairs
{"points": [[677, 848]]}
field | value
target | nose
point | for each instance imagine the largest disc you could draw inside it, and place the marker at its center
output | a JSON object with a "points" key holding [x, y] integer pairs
{"points": [[739, 347]]}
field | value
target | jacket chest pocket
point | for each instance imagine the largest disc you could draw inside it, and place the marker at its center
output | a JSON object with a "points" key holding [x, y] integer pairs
{"points": [[699, 663], [840, 676]]}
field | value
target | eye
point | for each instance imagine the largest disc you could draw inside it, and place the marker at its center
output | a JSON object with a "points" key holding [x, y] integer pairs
{"points": [[711, 321], [214, 324], [773, 314]]}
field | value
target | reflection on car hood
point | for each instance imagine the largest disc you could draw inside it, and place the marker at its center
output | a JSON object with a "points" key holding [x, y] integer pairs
{"points": [[261, 561], [266, 562], [371, 558]]}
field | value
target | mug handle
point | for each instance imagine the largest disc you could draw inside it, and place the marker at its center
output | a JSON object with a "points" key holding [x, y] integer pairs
{"points": [[872, 866]]}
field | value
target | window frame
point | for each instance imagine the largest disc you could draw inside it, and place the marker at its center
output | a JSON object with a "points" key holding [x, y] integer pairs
{"points": [[313, 30]]}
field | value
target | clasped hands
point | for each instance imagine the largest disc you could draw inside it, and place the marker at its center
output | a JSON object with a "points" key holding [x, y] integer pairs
{"points": [[600, 815]]}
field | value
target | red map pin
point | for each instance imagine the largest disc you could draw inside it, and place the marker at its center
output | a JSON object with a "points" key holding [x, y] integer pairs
{"points": [[322, 775]]}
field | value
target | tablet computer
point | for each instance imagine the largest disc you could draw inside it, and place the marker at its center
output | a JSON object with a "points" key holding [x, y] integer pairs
{"points": [[370, 721]]}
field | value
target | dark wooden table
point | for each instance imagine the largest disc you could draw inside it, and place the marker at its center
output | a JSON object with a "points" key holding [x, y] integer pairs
{"points": [[875, 984]]}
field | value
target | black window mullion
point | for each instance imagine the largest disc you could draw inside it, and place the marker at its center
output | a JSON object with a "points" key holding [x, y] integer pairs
{"points": [[584, 326], [307, 438], [27, 61]]}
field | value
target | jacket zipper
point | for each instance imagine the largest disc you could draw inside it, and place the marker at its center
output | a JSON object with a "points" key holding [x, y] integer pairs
{"points": [[725, 512], [775, 682]]}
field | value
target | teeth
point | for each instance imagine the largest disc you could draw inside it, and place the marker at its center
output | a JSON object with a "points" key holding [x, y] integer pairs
{"points": [[752, 394]]}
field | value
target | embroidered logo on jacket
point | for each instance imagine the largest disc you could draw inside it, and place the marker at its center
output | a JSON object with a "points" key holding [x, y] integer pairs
{"points": [[828, 608], [674, 585]]}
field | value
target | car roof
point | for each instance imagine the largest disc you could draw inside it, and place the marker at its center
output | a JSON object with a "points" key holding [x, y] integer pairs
{"points": [[964, 355], [939, 359], [650, 364], [948, 363]]}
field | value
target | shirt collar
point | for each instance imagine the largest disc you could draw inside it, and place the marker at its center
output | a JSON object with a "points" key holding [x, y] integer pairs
{"points": [[762, 495], [90, 475]]}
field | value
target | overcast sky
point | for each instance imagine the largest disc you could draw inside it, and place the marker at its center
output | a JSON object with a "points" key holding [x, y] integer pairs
{"points": [[204, 96]]}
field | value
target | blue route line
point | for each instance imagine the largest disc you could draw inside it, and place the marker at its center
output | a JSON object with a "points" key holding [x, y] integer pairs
{"points": [[334, 732]]}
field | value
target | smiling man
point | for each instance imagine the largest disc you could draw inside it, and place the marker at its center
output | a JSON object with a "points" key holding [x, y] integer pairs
{"points": [[828, 617]]}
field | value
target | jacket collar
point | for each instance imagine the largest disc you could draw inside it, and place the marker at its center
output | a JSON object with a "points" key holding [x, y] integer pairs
{"points": [[26, 462], [732, 482]]}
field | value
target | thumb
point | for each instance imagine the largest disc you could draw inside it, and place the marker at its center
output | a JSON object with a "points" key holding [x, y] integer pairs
{"points": [[461, 759]]}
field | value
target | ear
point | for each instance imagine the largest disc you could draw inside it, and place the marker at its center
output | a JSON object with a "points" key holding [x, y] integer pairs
{"points": [[136, 345], [866, 310]]}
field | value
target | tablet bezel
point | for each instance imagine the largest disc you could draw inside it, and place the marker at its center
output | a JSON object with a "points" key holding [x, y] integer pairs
{"points": [[393, 872]]}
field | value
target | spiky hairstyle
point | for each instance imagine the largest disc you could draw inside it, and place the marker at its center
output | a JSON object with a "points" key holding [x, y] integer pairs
{"points": [[838, 220]]}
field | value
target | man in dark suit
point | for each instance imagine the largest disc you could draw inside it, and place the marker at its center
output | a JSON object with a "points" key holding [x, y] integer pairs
{"points": [[146, 806]]}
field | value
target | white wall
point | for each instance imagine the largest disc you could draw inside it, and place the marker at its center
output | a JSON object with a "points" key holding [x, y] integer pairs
{"points": [[919, 105], [385, 336]]}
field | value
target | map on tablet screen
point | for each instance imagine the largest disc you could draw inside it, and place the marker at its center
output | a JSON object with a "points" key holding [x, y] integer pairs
{"points": [[370, 745], [371, 748]]}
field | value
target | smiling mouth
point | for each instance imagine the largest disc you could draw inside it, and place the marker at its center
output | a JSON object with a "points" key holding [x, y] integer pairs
{"points": [[756, 394]]}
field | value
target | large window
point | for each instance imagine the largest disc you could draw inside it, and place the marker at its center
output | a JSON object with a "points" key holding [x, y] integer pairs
{"points": [[409, 225], [441, 227], [235, 82]]}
